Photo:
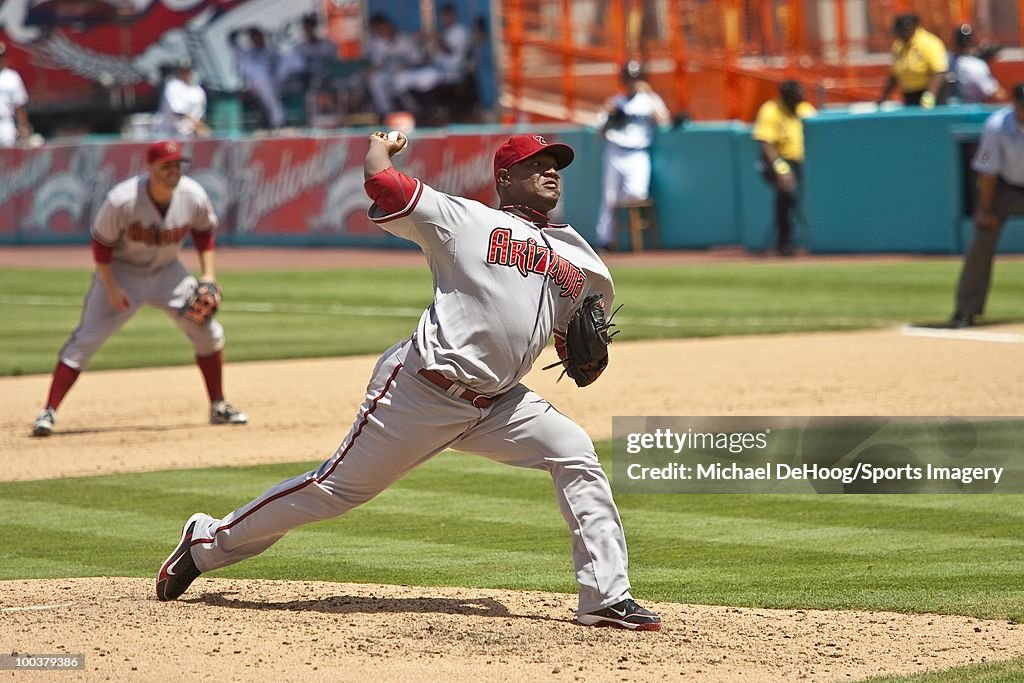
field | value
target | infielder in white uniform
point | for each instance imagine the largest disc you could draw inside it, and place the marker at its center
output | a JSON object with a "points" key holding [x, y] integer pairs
{"points": [[136, 243], [628, 122], [505, 280]]}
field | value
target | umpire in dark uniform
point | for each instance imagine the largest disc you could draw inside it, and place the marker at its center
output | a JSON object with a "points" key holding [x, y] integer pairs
{"points": [[999, 163]]}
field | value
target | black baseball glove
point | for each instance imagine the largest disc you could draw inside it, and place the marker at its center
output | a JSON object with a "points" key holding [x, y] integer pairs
{"points": [[585, 351], [202, 303], [617, 118]]}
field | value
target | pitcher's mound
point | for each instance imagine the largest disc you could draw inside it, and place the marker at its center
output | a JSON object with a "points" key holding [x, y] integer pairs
{"points": [[225, 629]]}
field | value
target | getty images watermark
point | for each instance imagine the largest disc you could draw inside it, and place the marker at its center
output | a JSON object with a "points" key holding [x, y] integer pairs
{"points": [[817, 455]]}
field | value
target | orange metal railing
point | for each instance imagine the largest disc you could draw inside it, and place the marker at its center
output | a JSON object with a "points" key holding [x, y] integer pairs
{"points": [[722, 58]]}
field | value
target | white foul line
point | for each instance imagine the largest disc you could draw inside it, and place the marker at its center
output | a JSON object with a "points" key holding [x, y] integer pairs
{"points": [[35, 608], [963, 334]]}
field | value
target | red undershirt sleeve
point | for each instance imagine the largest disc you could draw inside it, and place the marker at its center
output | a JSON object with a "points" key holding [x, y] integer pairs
{"points": [[560, 347], [101, 253], [203, 239], [390, 189]]}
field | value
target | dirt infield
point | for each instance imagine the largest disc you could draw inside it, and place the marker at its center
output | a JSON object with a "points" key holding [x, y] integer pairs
{"points": [[226, 629], [136, 420], [229, 629]]}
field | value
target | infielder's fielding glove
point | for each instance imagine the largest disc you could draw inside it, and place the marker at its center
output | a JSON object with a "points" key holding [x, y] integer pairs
{"points": [[202, 303], [585, 351]]}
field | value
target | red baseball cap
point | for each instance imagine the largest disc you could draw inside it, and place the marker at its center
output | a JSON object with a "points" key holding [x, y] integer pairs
{"points": [[519, 147], [165, 150]]}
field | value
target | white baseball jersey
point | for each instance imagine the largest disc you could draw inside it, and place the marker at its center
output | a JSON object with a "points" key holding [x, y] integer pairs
{"points": [[391, 55], [180, 99], [502, 285], [144, 258], [1001, 150], [312, 57], [975, 79], [458, 42], [641, 112], [142, 238], [12, 97], [258, 69], [389, 58]]}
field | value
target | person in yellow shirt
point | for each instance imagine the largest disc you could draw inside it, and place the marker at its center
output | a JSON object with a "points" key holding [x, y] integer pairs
{"points": [[919, 64], [780, 130]]}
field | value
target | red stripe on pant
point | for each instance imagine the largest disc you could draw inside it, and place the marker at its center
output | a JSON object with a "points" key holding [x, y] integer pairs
{"points": [[340, 457]]}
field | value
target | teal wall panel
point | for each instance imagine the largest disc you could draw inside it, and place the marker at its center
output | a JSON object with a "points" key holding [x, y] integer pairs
{"points": [[755, 197], [581, 182], [886, 181], [694, 186], [1011, 241]]}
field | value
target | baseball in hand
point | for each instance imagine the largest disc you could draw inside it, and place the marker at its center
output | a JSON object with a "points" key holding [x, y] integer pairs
{"points": [[397, 136]]}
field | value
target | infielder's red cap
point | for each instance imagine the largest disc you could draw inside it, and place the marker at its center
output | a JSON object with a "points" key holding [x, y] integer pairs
{"points": [[165, 150], [519, 147]]}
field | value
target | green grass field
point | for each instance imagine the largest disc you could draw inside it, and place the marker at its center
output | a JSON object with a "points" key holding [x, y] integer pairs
{"points": [[465, 521], [462, 520], [1011, 671], [344, 312]]}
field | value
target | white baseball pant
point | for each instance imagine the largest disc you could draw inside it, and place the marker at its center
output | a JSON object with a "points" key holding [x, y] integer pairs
{"points": [[627, 177], [166, 289], [403, 422]]}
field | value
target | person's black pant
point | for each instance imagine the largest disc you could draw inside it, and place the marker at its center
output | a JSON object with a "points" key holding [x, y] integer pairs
{"points": [[785, 203], [976, 276], [913, 98]]}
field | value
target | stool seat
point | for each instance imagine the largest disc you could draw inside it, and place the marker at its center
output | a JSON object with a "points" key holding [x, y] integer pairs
{"points": [[640, 218]]}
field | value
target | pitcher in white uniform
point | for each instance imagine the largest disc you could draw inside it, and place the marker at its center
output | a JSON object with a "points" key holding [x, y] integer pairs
{"points": [[136, 244], [505, 280], [628, 122]]}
